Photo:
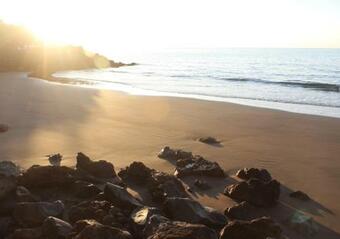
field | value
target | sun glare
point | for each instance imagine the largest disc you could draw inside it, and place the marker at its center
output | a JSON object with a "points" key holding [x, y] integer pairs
{"points": [[130, 25]]}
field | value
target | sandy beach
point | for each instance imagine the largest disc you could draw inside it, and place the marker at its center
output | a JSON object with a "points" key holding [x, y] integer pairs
{"points": [[300, 151]]}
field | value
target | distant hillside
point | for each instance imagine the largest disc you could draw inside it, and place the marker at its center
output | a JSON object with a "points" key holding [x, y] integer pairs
{"points": [[21, 51]]}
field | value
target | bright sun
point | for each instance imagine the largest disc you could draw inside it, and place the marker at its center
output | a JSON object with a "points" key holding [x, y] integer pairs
{"points": [[103, 25]]}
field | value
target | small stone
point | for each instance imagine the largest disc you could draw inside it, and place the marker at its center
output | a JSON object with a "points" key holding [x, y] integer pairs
{"points": [[4, 128], [209, 140]]}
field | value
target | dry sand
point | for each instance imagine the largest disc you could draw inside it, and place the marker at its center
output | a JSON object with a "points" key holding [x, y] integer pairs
{"points": [[302, 152]]}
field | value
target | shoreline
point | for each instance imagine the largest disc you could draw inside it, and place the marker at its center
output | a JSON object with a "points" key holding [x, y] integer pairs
{"points": [[47, 118], [306, 109]]}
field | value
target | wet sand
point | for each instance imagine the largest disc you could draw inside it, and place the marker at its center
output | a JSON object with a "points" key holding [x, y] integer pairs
{"points": [[301, 151]]}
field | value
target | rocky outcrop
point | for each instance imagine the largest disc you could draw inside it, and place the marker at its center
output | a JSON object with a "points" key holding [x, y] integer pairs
{"points": [[47, 176], [101, 168], [198, 166], [248, 173], [261, 228], [120, 197], [174, 154], [30, 214], [160, 185], [255, 191], [187, 210]]}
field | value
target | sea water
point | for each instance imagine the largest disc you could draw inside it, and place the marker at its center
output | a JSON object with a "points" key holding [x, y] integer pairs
{"points": [[297, 80]]}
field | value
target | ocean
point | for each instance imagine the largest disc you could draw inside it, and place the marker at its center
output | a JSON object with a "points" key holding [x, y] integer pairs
{"points": [[296, 80]]}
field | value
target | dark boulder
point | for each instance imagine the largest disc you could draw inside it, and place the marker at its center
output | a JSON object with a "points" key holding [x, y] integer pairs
{"points": [[162, 185], [137, 172], [120, 197], [241, 211], [256, 192], [101, 168], [187, 210], [261, 174], [55, 228], [7, 186], [91, 229], [30, 214], [300, 195], [260, 228], [174, 154], [161, 228], [209, 140], [47, 176], [198, 166]]}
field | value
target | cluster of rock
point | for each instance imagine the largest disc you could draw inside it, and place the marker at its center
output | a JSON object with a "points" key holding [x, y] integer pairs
{"points": [[92, 201], [188, 164]]}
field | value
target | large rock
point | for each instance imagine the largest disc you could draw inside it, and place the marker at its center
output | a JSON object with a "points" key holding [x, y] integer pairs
{"points": [[198, 166], [187, 210], [30, 214], [161, 228], [7, 185], [162, 185], [248, 173], [91, 229], [89, 210], [255, 191], [137, 172], [120, 197], [55, 228], [261, 228], [241, 211], [47, 176], [8, 168], [101, 168], [174, 154], [159, 184]]}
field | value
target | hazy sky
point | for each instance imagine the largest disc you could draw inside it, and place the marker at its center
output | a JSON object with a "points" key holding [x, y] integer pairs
{"points": [[142, 24]]}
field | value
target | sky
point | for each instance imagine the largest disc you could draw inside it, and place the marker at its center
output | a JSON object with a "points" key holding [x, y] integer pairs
{"points": [[130, 25]]}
